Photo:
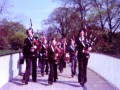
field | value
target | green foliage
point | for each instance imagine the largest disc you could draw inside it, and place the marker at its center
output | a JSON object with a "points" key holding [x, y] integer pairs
{"points": [[2, 52], [17, 41], [108, 46], [101, 16], [116, 44], [7, 31], [16, 26]]}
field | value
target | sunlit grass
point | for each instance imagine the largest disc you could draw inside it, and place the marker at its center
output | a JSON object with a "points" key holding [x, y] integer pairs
{"points": [[2, 52]]}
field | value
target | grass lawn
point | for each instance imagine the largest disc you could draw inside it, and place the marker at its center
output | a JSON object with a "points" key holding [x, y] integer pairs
{"points": [[7, 51]]}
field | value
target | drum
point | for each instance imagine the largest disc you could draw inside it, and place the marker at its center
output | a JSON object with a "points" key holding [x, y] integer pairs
{"points": [[67, 57]]}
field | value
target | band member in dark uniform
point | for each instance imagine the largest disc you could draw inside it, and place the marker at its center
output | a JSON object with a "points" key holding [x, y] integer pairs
{"points": [[62, 63], [52, 55], [57, 60], [44, 61], [28, 52], [40, 55], [73, 57], [83, 56]]}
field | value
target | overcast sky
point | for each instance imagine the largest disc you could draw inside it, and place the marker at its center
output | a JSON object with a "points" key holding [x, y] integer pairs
{"points": [[37, 10]]}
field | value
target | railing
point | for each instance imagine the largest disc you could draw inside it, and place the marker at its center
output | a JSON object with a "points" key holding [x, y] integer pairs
{"points": [[10, 67], [106, 66]]}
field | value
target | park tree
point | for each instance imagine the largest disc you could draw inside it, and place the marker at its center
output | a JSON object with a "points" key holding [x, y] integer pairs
{"points": [[81, 6], [4, 6], [7, 30], [17, 41], [107, 15], [5, 34], [59, 20], [63, 21], [101, 16]]}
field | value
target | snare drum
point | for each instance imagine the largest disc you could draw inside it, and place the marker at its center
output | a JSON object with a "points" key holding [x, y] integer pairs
{"points": [[67, 57]]}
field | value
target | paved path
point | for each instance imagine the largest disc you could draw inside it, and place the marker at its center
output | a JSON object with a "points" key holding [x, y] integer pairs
{"points": [[64, 82]]}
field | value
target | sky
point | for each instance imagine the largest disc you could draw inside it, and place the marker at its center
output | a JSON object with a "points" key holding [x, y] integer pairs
{"points": [[36, 10]]}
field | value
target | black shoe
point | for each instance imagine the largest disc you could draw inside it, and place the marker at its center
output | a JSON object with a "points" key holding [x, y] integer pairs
{"points": [[26, 83], [34, 80], [55, 80], [82, 84], [50, 83], [46, 73], [42, 74], [23, 81], [61, 71], [72, 75]]}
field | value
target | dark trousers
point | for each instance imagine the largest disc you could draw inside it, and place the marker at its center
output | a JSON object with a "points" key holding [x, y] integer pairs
{"points": [[82, 69], [39, 62], [42, 66], [28, 67], [55, 72], [62, 64], [47, 66], [34, 68], [52, 74], [73, 64], [44, 63]]}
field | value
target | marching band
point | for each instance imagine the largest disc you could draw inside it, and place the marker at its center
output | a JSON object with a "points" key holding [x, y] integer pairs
{"points": [[54, 55]]}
